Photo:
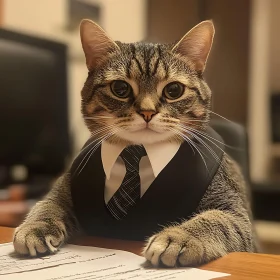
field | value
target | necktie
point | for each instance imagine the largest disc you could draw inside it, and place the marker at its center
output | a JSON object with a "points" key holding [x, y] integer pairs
{"points": [[129, 191]]}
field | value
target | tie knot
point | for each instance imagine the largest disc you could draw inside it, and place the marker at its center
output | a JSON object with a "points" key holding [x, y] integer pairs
{"points": [[132, 156]]}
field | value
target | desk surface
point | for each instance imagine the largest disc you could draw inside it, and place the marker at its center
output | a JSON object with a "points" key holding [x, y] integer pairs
{"points": [[241, 266]]}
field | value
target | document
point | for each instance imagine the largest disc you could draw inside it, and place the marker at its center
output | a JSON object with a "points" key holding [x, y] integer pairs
{"points": [[89, 263]]}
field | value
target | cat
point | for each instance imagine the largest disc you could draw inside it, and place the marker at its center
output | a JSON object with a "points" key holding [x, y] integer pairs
{"points": [[165, 80]]}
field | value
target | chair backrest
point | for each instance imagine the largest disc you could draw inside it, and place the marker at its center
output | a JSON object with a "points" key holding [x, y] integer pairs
{"points": [[236, 140]]}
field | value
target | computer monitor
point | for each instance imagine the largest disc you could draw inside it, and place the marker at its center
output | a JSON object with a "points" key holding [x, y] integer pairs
{"points": [[33, 104]]}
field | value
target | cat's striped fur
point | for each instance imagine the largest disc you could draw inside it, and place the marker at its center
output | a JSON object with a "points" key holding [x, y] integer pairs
{"points": [[222, 223]]}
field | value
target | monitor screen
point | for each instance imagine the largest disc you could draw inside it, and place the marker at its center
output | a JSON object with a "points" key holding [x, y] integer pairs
{"points": [[33, 103]]}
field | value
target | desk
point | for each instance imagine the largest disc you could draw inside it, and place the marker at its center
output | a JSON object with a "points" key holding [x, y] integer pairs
{"points": [[242, 266]]}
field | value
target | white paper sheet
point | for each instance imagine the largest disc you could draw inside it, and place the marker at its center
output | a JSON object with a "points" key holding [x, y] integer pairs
{"points": [[89, 263]]}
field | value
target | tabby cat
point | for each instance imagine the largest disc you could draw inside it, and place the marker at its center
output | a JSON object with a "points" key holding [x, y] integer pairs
{"points": [[167, 80]]}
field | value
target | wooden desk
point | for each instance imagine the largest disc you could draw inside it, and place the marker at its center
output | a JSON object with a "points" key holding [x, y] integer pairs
{"points": [[241, 266]]}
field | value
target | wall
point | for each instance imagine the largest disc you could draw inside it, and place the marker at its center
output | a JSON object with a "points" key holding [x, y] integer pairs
{"points": [[170, 20], [227, 72], [1, 12], [274, 46], [258, 105]]}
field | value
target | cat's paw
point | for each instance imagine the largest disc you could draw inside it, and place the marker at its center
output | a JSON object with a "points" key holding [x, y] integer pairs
{"points": [[39, 237], [174, 247]]}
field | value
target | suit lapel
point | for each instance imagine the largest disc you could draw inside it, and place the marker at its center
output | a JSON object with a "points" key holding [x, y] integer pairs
{"points": [[87, 186]]}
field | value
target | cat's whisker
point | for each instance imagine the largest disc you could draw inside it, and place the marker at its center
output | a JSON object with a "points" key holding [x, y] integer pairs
{"points": [[95, 141], [212, 152], [95, 122], [86, 146], [190, 142], [98, 117], [200, 153], [185, 121], [219, 115], [205, 135], [197, 137], [170, 120], [92, 137], [102, 129], [92, 151], [195, 120], [94, 148], [208, 137], [185, 137]]}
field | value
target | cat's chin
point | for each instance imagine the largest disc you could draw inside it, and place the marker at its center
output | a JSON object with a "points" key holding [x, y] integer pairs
{"points": [[145, 136]]}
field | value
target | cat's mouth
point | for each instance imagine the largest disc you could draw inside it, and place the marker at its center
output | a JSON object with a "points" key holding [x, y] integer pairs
{"points": [[148, 129], [145, 133]]}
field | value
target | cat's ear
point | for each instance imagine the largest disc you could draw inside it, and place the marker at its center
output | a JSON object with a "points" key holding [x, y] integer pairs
{"points": [[96, 43], [196, 44]]}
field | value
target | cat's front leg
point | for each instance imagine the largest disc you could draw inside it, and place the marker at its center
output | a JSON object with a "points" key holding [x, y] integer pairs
{"points": [[206, 237], [49, 224]]}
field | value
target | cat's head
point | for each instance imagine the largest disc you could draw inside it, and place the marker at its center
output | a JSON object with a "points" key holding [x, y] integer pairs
{"points": [[142, 92]]}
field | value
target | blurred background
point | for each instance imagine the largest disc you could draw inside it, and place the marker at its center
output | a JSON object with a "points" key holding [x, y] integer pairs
{"points": [[42, 71]]}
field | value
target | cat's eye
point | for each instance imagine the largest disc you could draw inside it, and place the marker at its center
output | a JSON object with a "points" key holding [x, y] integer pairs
{"points": [[173, 90], [121, 89]]}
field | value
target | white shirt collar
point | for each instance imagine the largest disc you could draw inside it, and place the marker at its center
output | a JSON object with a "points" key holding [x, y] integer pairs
{"points": [[159, 155]]}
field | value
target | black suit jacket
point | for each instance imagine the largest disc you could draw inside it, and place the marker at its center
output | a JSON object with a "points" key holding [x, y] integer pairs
{"points": [[174, 194]]}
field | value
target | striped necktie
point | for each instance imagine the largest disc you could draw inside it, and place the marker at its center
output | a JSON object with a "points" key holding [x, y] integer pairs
{"points": [[129, 191]]}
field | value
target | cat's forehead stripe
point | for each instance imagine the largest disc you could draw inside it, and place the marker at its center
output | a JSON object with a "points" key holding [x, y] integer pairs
{"points": [[135, 58], [147, 59]]}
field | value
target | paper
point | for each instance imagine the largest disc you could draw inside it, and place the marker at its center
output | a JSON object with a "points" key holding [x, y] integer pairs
{"points": [[88, 263]]}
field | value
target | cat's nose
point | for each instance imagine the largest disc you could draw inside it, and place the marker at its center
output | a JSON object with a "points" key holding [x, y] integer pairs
{"points": [[147, 115]]}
